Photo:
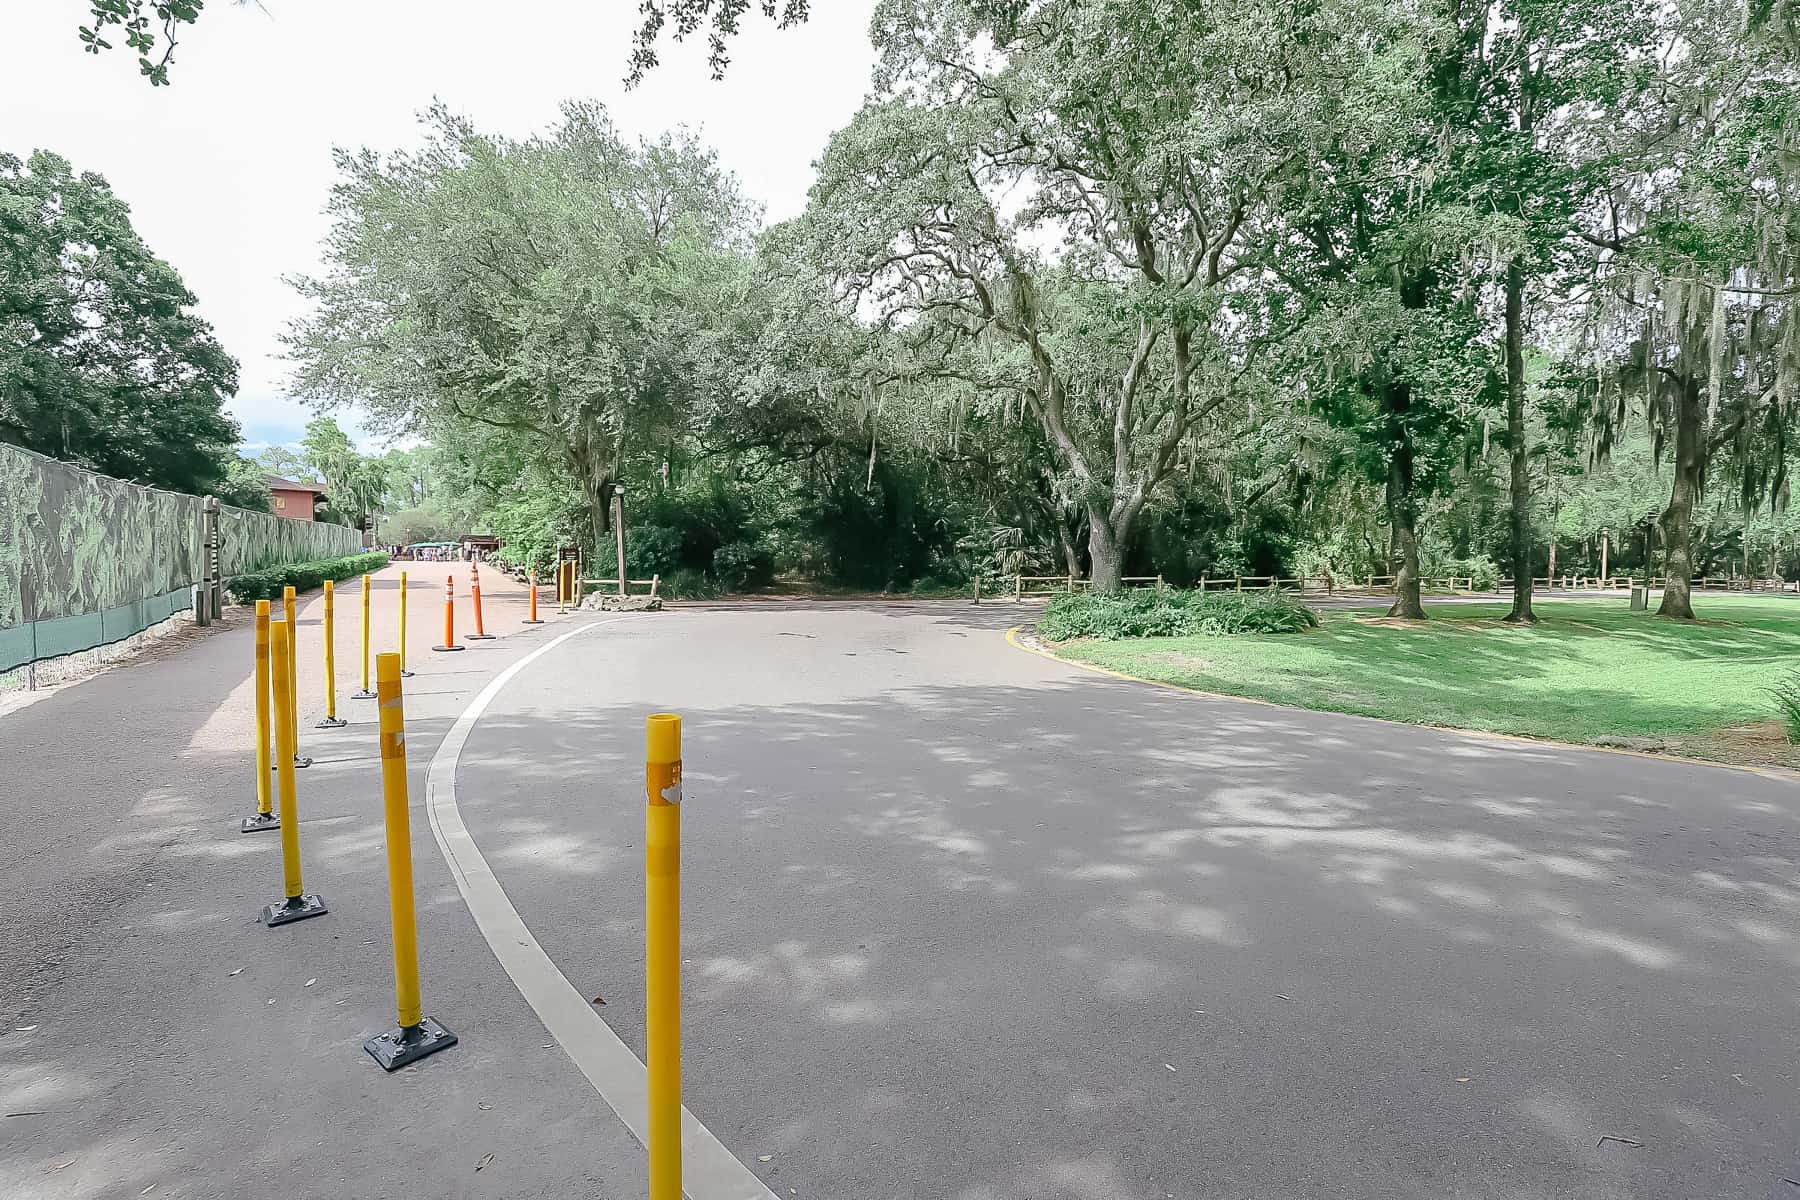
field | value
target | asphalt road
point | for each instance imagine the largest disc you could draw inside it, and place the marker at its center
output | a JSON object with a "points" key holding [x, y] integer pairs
{"points": [[961, 922], [965, 922]]}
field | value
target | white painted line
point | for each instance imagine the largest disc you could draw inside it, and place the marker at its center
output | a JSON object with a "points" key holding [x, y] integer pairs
{"points": [[709, 1171]]}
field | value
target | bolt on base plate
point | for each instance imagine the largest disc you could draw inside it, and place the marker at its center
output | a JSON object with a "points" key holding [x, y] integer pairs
{"points": [[331, 723], [261, 821], [297, 909], [399, 1046], [447, 649]]}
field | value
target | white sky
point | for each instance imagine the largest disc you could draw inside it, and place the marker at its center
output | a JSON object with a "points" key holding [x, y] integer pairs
{"points": [[227, 170]]}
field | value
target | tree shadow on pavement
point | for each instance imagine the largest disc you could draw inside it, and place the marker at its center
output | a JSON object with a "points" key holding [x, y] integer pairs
{"points": [[1088, 940]]}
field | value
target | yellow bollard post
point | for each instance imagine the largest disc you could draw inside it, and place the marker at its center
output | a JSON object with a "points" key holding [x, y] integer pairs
{"points": [[415, 1036], [365, 693], [287, 614], [662, 950], [298, 905], [404, 673], [332, 720], [265, 817]]}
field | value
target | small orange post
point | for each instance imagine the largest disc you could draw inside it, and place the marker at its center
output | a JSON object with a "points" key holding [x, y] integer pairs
{"points": [[449, 616], [480, 634], [533, 618]]}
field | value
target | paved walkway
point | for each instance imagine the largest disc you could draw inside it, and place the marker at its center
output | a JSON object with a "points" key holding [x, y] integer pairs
{"points": [[158, 1040], [961, 922]]}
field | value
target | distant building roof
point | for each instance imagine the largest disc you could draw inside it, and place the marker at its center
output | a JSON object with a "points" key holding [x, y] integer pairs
{"points": [[277, 483]]}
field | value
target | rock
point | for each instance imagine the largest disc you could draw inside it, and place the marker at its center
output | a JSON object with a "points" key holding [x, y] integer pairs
{"points": [[613, 602]]}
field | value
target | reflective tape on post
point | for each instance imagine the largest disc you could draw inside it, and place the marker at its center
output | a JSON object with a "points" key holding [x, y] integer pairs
{"points": [[481, 634], [449, 615], [662, 950]]}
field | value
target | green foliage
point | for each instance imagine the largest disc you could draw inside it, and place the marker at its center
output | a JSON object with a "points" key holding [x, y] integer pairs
{"points": [[357, 484], [1438, 560], [103, 362], [688, 584], [688, 16], [1115, 287], [881, 537], [411, 525], [302, 577], [601, 309], [1786, 693], [1169, 612], [244, 486], [141, 22], [743, 566]]}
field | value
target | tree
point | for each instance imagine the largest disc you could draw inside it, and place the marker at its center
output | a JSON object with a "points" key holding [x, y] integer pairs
{"points": [[689, 15], [1072, 212], [244, 485], [142, 22], [1530, 92], [1696, 274], [546, 288], [356, 483], [102, 360], [283, 461]]}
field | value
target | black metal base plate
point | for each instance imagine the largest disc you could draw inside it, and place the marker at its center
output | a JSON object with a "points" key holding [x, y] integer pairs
{"points": [[362, 695], [448, 649], [478, 637], [331, 723], [406, 674], [301, 762], [397, 1047], [260, 822], [531, 622], [297, 909]]}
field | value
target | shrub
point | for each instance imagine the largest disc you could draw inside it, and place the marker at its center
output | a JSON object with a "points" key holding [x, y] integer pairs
{"points": [[743, 566], [267, 584], [685, 583], [1787, 698], [1172, 613], [1482, 570]]}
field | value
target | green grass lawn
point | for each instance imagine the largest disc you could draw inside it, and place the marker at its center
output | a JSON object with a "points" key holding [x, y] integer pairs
{"points": [[1589, 670]]}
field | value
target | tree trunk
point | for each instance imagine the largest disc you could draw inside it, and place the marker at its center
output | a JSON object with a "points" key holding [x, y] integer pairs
{"points": [[1678, 519], [1406, 542], [1401, 504], [1106, 553], [1515, 433], [595, 475], [1071, 556]]}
